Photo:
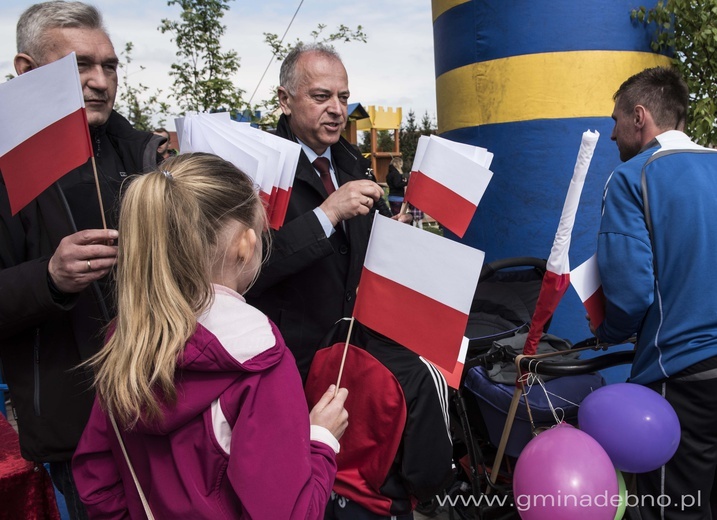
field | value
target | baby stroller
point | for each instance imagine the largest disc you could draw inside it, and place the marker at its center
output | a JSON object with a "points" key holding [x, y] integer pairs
{"points": [[491, 425]]}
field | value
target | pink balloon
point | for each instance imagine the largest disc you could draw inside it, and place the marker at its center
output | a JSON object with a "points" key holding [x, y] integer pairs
{"points": [[564, 474]]}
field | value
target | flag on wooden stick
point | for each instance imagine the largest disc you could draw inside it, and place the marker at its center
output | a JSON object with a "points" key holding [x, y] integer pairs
{"points": [[422, 303]]}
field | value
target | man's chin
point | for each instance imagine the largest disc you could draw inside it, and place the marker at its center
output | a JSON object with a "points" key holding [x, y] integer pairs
{"points": [[97, 118], [331, 138]]}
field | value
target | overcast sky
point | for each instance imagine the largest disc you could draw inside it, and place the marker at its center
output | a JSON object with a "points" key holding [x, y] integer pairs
{"points": [[394, 68]]}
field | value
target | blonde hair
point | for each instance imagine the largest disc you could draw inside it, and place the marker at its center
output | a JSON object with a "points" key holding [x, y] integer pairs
{"points": [[169, 237]]}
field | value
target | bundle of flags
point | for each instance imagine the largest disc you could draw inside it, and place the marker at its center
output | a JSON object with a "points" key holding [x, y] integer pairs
{"points": [[448, 180], [44, 133], [269, 160]]}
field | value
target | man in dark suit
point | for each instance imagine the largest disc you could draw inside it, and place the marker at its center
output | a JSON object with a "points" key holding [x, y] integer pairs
{"points": [[310, 278]]}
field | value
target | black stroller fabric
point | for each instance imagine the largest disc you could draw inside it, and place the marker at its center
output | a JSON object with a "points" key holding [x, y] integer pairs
{"points": [[503, 302], [506, 372]]}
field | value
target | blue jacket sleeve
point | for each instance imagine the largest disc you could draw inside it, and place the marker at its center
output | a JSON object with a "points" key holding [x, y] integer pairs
{"points": [[624, 257]]}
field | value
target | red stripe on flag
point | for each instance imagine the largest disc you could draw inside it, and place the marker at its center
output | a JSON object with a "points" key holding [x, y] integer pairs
{"points": [[595, 305], [281, 203], [453, 378], [552, 289], [422, 324], [441, 203], [39, 161]]}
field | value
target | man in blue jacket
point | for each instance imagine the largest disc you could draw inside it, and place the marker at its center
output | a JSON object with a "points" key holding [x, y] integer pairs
{"points": [[656, 254]]}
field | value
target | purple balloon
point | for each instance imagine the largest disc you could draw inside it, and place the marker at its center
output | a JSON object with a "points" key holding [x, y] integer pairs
{"points": [[636, 426], [564, 474]]}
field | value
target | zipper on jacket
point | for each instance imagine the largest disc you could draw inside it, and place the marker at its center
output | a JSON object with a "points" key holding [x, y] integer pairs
{"points": [[36, 370]]}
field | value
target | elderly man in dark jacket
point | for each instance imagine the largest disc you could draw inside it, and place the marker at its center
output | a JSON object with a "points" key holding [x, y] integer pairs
{"points": [[55, 258]]}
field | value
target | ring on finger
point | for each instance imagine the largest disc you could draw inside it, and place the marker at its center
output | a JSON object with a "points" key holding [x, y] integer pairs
{"points": [[89, 266]]}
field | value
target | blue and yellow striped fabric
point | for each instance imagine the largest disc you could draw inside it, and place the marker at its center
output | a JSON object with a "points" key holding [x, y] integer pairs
{"points": [[525, 79]]}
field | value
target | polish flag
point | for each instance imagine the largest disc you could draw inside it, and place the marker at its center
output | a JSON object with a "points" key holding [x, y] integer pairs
{"points": [[44, 132], [586, 281], [447, 185], [416, 288], [453, 377], [557, 275]]}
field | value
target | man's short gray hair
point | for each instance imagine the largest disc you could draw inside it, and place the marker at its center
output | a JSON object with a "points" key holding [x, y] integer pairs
{"points": [[287, 75], [39, 18]]}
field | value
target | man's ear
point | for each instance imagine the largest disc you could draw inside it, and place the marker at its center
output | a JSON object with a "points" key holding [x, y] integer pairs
{"points": [[24, 63], [640, 115], [283, 95]]}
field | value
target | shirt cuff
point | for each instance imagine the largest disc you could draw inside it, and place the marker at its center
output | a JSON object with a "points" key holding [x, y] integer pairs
{"points": [[324, 221], [321, 434]]}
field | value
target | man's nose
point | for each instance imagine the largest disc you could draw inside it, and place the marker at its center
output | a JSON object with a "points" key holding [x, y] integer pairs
{"points": [[335, 105], [96, 78]]}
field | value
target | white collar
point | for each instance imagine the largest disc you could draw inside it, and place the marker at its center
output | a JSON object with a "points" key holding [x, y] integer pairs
{"points": [[676, 140], [312, 155]]}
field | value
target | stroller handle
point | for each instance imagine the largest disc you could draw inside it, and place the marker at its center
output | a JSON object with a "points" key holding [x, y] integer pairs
{"points": [[491, 268], [571, 367]]}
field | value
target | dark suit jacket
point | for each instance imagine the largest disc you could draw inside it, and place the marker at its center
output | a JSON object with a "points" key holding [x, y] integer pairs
{"points": [[309, 281], [41, 340]]}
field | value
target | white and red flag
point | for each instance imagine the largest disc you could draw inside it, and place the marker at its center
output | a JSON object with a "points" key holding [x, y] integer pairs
{"points": [[557, 275], [585, 279], [44, 132], [416, 288], [447, 184]]}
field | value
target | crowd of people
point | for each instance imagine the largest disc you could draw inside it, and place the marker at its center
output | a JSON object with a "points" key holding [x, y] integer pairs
{"points": [[159, 369]]}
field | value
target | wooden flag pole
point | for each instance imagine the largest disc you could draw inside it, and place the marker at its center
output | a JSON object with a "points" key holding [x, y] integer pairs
{"points": [[343, 358], [512, 409], [404, 207], [99, 193]]}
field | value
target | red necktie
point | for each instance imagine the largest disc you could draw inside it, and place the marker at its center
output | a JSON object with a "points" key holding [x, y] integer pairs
{"points": [[322, 166]]}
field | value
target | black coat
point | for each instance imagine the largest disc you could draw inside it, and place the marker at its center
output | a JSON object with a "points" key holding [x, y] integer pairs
{"points": [[41, 341], [309, 281]]}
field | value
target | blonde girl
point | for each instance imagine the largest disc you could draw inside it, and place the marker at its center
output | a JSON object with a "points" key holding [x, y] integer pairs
{"points": [[207, 397]]}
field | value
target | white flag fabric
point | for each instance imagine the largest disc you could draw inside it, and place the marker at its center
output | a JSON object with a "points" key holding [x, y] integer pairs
{"points": [[585, 279]]}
